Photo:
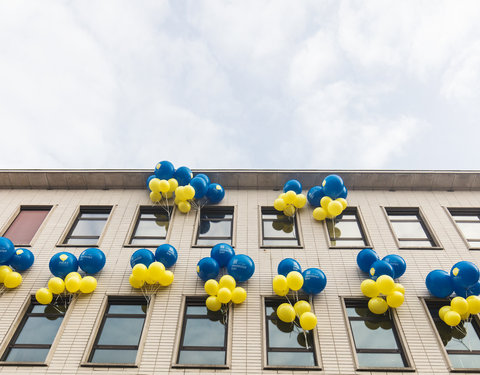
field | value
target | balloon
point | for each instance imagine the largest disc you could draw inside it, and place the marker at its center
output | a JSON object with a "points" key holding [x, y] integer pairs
{"points": [[73, 284], [222, 253], [205, 177], [12, 280], [294, 185], [173, 185], [155, 270], [92, 260], [302, 307], [22, 259], [369, 288], [56, 285], [200, 186], [207, 268], [465, 274], [442, 311], [44, 296], [72, 274], [227, 281], [334, 208], [314, 195], [166, 278], [365, 259], [142, 256], [439, 283], [286, 313], [458, 289], [344, 193], [150, 178], [459, 304], [241, 267], [164, 170], [88, 284], [314, 281], [139, 271], [294, 280], [380, 268], [399, 288], [189, 192], [333, 186], [279, 283], [224, 295], [288, 265], [215, 193], [343, 202], [279, 204], [377, 305], [4, 271], [239, 295], [164, 186], [385, 284], [166, 254], [184, 207], [398, 264], [213, 304], [474, 290], [319, 214], [211, 287], [154, 185], [289, 197], [452, 318], [180, 194], [395, 299], [308, 321], [473, 304], [135, 283], [61, 264], [183, 175], [155, 196], [7, 249], [289, 210]]}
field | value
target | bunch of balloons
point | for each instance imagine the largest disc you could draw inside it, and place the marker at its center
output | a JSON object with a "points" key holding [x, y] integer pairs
{"points": [[290, 276], [64, 267], [167, 180], [329, 199], [459, 309], [12, 262], [241, 267], [301, 310], [291, 198], [391, 265], [151, 269], [463, 279], [223, 292]]}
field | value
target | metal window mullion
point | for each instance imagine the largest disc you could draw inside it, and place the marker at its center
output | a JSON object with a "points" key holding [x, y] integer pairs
{"points": [[117, 347], [396, 351], [287, 350], [204, 348], [30, 346]]}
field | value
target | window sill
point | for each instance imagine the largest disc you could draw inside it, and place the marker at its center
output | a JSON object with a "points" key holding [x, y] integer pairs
{"points": [[472, 370], [280, 247], [145, 246], [22, 245], [77, 245], [24, 364], [201, 367], [292, 368], [420, 248], [117, 365], [208, 246], [387, 369], [350, 247]]}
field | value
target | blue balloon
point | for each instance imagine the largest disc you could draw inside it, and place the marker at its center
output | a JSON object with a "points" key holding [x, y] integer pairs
{"points": [[142, 256], [474, 290], [333, 186], [439, 283], [314, 195], [150, 178], [365, 259], [215, 193], [288, 265], [344, 193], [207, 268], [166, 254], [222, 253], [204, 226], [205, 177], [314, 281], [200, 187], [61, 264], [164, 170], [22, 260], [241, 267], [294, 185], [183, 175], [398, 264], [459, 290], [92, 260], [379, 268], [464, 274], [7, 249]]}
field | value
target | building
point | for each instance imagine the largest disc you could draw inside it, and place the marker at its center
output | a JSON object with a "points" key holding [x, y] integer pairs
{"points": [[432, 219]]}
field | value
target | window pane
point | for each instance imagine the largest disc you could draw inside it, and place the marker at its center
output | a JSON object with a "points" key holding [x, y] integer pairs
{"points": [[474, 243], [278, 229], [151, 228], [207, 214], [88, 228], [82, 241], [466, 218], [409, 230], [25, 225], [213, 242], [348, 243], [114, 356], [26, 355], [127, 309], [462, 337], [369, 336], [285, 243], [121, 331], [401, 217], [39, 330], [95, 215], [380, 360], [470, 230], [344, 229], [197, 310], [204, 332], [201, 357], [425, 243], [465, 360], [216, 228], [147, 242], [284, 335], [49, 309], [290, 359]]}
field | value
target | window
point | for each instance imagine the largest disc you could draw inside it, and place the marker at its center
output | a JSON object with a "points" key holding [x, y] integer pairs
{"points": [[346, 230], [120, 331], [374, 347], [26, 224], [468, 221], [410, 228], [204, 335], [35, 334], [215, 226], [278, 229], [287, 345], [462, 343], [88, 226], [151, 227]]}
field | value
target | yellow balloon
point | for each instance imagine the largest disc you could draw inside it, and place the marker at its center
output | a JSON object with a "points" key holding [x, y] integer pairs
{"points": [[44, 296], [167, 195], [452, 318], [224, 295], [334, 208], [227, 281], [294, 280], [385, 284], [155, 270], [460, 305], [164, 186], [302, 307], [166, 278], [189, 192], [88, 284], [300, 201], [211, 287], [289, 197], [279, 282], [173, 183], [369, 288], [399, 288], [324, 202], [213, 304], [12, 280], [154, 185], [73, 284], [289, 210], [150, 280], [308, 321], [473, 304], [377, 305], [180, 193], [281, 292], [72, 274], [443, 310], [56, 285], [279, 204], [135, 283], [139, 271], [4, 271], [395, 299], [286, 313], [465, 316], [184, 207], [155, 196], [239, 295], [343, 202], [319, 214]]}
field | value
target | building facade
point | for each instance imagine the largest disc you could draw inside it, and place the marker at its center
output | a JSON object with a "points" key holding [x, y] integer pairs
{"points": [[431, 219]]}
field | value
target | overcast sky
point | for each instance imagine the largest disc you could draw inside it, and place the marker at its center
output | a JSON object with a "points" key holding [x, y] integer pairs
{"points": [[240, 84]]}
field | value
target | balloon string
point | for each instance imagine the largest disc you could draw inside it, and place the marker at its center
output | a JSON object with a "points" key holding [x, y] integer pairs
{"points": [[2, 290]]}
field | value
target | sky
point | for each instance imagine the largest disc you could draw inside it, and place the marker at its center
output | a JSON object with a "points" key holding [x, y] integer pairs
{"points": [[240, 84]]}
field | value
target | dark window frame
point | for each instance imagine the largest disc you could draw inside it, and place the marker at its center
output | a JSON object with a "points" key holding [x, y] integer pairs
{"points": [[351, 210], [138, 218], [455, 212], [296, 241], [230, 210]]}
